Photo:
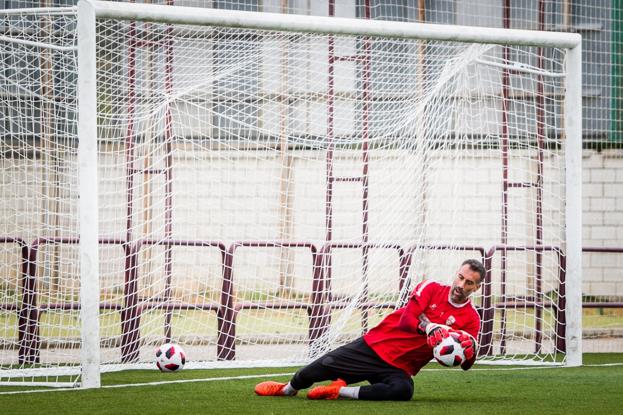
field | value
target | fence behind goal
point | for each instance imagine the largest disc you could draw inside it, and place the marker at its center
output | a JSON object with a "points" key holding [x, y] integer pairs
{"points": [[261, 189]]}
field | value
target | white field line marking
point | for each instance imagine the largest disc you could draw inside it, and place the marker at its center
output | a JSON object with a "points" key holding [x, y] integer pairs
{"points": [[167, 382], [164, 382]]}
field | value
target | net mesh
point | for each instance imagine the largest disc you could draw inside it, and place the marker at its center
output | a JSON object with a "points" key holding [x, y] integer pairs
{"points": [[267, 196], [277, 152], [38, 298]]}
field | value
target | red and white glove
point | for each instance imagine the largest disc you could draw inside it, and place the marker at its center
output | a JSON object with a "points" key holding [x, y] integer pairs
{"points": [[468, 343], [435, 333]]}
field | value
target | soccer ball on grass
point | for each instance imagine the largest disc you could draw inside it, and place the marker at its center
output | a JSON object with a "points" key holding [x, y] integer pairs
{"points": [[449, 352], [170, 358]]}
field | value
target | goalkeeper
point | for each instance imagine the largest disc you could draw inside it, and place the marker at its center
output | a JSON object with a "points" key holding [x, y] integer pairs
{"points": [[397, 348]]}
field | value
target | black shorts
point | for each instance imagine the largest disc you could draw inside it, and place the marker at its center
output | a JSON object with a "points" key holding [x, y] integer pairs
{"points": [[354, 362]]}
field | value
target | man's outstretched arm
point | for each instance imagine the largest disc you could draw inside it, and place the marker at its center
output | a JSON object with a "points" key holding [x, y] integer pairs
{"points": [[409, 320], [413, 319], [421, 325]]}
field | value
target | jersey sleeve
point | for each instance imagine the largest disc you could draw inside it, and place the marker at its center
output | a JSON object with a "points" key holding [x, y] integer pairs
{"points": [[422, 294], [419, 300]]}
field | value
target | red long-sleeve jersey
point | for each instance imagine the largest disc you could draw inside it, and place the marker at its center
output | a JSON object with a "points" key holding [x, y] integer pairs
{"points": [[398, 343]]}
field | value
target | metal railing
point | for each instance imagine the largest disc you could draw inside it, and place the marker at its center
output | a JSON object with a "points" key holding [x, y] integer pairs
{"points": [[319, 306]]}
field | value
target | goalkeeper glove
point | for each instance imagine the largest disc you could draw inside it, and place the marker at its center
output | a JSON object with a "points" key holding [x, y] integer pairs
{"points": [[470, 349], [468, 343], [435, 333]]}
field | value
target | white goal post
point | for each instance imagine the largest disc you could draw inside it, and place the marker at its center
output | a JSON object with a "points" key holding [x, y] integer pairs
{"points": [[263, 187]]}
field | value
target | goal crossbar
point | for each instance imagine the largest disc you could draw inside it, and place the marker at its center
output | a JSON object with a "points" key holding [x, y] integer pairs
{"points": [[333, 25]]}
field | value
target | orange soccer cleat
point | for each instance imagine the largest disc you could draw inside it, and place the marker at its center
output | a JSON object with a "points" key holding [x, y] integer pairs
{"points": [[331, 391], [270, 388]]}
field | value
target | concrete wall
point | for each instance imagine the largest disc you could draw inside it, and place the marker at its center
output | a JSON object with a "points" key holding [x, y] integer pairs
{"points": [[231, 196], [603, 221]]}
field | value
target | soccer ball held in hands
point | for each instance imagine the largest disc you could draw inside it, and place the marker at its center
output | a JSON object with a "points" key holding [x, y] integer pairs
{"points": [[449, 351]]}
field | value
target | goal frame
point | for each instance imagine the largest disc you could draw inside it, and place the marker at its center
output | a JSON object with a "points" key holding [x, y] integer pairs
{"points": [[90, 10]]}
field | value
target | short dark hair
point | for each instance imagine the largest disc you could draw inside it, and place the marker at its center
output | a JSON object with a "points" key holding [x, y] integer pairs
{"points": [[476, 266]]}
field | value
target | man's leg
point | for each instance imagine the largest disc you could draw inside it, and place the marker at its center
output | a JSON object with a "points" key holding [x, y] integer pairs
{"points": [[302, 379], [316, 371], [348, 364], [391, 388]]}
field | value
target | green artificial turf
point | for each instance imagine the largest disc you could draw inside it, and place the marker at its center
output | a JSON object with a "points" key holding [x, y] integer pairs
{"points": [[594, 388]]}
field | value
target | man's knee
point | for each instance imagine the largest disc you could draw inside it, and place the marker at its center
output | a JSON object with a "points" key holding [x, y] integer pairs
{"points": [[393, 390], [401, 390]]}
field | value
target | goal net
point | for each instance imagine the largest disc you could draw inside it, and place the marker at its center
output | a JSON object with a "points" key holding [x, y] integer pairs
{"points": [[262, 188]]}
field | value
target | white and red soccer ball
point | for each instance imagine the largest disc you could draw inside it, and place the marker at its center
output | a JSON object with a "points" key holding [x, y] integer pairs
{"points": [[449, 352], [170, 357]]}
